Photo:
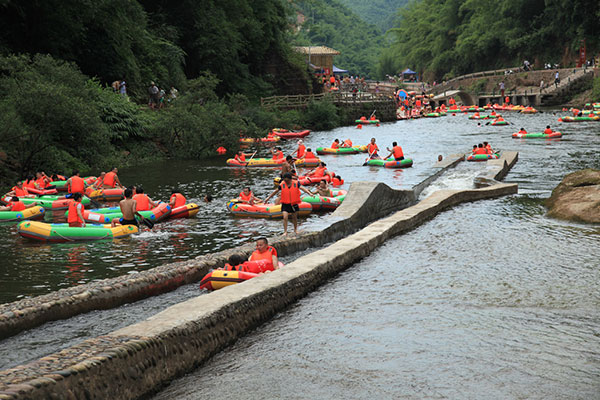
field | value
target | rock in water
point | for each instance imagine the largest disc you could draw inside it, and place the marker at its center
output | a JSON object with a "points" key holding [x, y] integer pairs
{"points": [[577, 197]]}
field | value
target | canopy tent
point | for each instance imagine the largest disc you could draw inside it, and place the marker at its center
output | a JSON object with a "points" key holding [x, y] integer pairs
{"points": [[337, 70], [408, 71]]}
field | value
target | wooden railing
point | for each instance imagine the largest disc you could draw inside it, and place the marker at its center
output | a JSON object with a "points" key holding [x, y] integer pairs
{"points": [[302, 100]]}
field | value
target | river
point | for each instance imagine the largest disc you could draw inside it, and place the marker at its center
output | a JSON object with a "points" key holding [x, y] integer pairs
{"points": [[488, 298]]}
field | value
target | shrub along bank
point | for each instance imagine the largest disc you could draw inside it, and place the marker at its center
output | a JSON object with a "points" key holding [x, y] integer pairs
{"points": [[56, 119]]}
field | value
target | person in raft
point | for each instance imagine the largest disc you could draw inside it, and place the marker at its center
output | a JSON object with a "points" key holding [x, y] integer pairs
{"points": [[128, 208], [98, 183], [289, 167], [309, 155], [177, 199], [75, 218], [320, 171], [142, 201], [372, 149], [548, 130], [480, 149], [235, 262], [335, 144], [346, 143], [488, 148], [240, 157], [323, 190], [301, 149], [522, 131], [246, 196], [396, 151], [277, 153], [265, 252], [111, 179], [290, 198], [19, 190], [75, 184], [16, 205]]}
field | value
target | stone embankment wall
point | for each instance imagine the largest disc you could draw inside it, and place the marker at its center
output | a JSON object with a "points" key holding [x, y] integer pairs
{"points": [[139, 359], [365, 202]]}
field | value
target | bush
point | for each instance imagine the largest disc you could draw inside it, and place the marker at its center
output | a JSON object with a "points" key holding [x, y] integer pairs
{"points": [[596, 90], [321, 115]]}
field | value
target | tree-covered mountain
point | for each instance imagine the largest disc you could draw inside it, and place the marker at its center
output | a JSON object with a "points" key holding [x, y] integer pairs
{"points": [[381, 13], [330, 23], [444, 38], [241, 41]]}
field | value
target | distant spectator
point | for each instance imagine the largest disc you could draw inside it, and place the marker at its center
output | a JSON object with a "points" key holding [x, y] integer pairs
{"points": [[161, 98], [556, 79], [123, 89], [153, 93], [501, 84], [541, 86], [173, 93]]}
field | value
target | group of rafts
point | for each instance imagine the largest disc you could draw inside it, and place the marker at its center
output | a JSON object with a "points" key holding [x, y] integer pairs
{"points": [[98, 221], [247, 206]]}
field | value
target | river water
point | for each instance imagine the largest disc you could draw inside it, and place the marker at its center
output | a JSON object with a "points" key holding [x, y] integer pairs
{"points": [[490, 298]]}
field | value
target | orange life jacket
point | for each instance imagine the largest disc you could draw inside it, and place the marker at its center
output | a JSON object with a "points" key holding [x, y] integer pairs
{"points": [[481, 150], [320, 171], [290, 194], [335, 145], [240, 158], [348, 143], [337, 182], [372, 148], [20, 192], [523, 131], [109, 179], [266, 255], [279, 155], [73, 216], [41, 182], [142, 202], [179, 200], [29, 184], [301, 150], [77, 185], [398, 152], [245, 198], [547, 131], [255, 266], [418, 103], [17, 206], [309, 155]]}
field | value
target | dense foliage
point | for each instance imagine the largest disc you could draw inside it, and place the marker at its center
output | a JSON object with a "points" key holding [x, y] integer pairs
{"points": [[443, 38], [330, 23], [380, 13]]}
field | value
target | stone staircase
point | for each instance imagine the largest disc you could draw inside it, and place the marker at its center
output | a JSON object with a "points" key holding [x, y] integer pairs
{"points": [[575, 82]]}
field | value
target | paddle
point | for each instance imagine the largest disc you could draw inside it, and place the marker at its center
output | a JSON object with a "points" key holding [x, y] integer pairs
{"points": [[145, 221], [251, 157], [373, 113], [367, 160]]}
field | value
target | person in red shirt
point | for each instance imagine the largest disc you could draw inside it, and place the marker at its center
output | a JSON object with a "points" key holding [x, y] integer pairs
{"points": [[142, 201], [111, 179], [76, 184], [16, 205], [290, 198], [75, 218], [19, 190], [177, 199], [347, 143], [265, 252], [396, 151], [548, 130], [301, 149], [277, 153], [246, 196], [372, 149]]}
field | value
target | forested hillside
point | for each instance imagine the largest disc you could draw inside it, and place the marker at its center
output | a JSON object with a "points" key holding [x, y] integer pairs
{"points": [[444, 38], [381, 13], [330, 23]]}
